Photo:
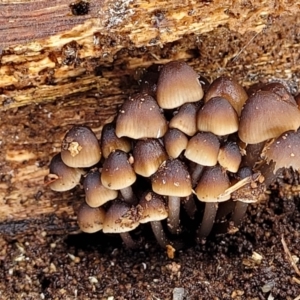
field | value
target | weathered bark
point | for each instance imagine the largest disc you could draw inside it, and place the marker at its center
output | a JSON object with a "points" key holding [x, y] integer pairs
{"points": [[58, 69]]}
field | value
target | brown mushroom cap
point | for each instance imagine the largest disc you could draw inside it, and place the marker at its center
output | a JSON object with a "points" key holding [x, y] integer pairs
{"points": [[172, 179], [153, 207], [117, 172], [62, 178], [90, 219], [177, 84], [229, 89], [266, 116], [140, 117], [217, 116], [230, 157], [120, 217], [148, 155], [203, 149], [213, 183], [80, 148], [95, 193], [175, 142], [110, 142], [284, 151], [185, 119]]}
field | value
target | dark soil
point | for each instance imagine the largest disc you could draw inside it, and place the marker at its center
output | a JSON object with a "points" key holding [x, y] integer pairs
{"points": [[95, 266]]}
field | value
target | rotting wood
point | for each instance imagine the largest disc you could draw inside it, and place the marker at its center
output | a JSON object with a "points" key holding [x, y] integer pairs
{"points": [[50, 80]]}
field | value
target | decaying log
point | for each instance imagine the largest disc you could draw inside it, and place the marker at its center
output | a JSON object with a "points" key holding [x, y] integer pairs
{"points": [[58, 69]]}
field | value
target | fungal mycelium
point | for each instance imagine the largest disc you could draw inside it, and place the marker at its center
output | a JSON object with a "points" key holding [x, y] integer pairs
{"points": [[179, 157]]}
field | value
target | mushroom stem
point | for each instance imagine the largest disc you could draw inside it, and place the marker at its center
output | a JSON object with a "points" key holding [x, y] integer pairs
{"points": [[252, 156], [128, 195], [174, 212], [190, 206], [239, 212], [208, 219], [196, 173], [159, 233], [128, 240]]}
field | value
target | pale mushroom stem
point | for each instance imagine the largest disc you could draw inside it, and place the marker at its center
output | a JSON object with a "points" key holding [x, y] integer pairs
{"points": [[239, 212], [208, 219], [190, 206], [174, 212], [159, 234], [196, 173], [128, 195], [128, 240]]}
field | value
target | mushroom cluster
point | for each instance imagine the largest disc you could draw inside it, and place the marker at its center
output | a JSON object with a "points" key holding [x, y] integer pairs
{"points": [[180, 154]]}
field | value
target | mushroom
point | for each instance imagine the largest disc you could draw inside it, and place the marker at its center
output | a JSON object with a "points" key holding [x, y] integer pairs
{"points": [[148, 155], [117, 174], [175, 142], [212, 184], [95, 193], [122, 218], [61, 177], [110, 142], [217, 116], [265, 116], [283, 152], [203, 149], [254, 191], [153, 209], [80, 148], [229, 157], [185, 119], [90, 219], [229, 89], [173, 180], [140, 117], [177, 84]]}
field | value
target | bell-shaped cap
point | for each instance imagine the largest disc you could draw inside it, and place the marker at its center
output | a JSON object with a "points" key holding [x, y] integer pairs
{"points": [[140, 117], [178, 84], [117, 172], [212, 184], [266, 116], [217, 116], [172, 179], [80, 148], [229, 89], [203, 149]]}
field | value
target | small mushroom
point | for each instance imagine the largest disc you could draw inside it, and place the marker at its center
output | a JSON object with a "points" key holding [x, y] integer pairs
{"points": [[217, 116], [90, 219], [229, 157], [122, 218], [283, 152], [173, 180], [153, 210], [95, 193], [140, 117], [185, 119], [229, 89], [212, 184], [80, 148], [175, 142], [61, 177], [148, 155], [110, 142], [203, 149], [178, 84], [117, 174], [266, 116]]}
